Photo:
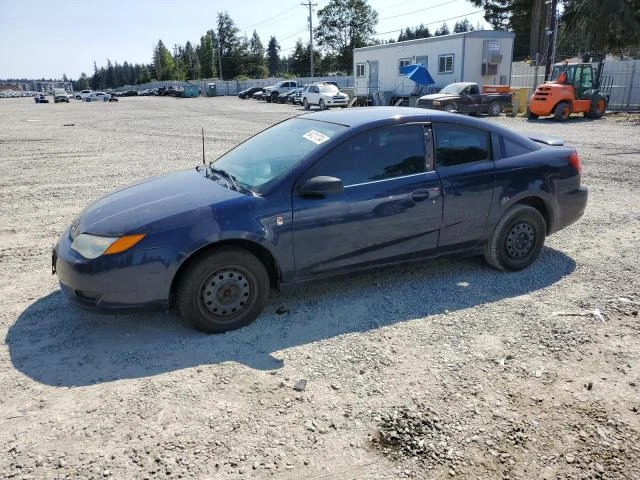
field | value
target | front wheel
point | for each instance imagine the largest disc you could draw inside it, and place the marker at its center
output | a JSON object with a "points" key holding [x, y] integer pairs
{"points": [[517, 239], [449, 107], [78, 97], [305, 104], [223, 290], [322, 105]]}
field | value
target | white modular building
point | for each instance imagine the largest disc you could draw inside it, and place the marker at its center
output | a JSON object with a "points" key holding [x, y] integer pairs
{"points": [[483, 56]]}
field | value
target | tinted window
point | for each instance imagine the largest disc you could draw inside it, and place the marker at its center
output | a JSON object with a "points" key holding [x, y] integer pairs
{"points": [[511, 148], [456, 144], [375, 155]]}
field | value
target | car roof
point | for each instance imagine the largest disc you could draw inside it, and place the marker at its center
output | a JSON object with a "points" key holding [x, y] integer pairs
{"points": [[354, 117], [363, 116]]}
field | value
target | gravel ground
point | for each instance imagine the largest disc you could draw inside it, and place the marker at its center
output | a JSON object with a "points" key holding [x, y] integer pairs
{"points": [[442, 370]]}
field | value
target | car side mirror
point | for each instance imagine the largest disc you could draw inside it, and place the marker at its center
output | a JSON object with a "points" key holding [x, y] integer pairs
{"points": [[320, 186]]}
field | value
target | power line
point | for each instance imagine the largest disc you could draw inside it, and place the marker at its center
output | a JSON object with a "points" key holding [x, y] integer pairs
{"points": [[293, 34], [420, 10], [431, 23], [266, 20]]}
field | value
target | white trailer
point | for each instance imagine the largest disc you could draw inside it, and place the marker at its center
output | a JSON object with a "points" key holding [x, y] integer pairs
{"points": [[483, 57]]}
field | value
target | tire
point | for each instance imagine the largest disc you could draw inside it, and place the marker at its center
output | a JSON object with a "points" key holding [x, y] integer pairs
{"points": [[517, 239], [321, 105], [243, 287], [450, 106], [495, 109], [562, 112], [267, 98], [78, 97], [598, 107], [274, 97], [305, 104], [105, 99], [87, 99], [531, 115]]}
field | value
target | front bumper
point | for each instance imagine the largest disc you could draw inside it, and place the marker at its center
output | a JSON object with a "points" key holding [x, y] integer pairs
{"points": [[138, 279]]}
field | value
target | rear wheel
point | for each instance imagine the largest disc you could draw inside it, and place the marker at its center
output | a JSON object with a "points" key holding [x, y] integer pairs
{"points": [[495, 109], [224, 290], [87, 99], [562, 112], [517, 239]]}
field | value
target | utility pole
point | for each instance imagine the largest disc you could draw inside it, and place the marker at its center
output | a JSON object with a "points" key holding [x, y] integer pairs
{"points": [[309, 4], [552, 35], [219, 58]]}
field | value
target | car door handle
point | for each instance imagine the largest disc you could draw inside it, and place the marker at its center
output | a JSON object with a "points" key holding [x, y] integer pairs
{"points": [[425, 193]]}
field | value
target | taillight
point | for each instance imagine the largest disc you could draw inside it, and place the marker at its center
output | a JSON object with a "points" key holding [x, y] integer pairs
{"points": [[574, 161]]}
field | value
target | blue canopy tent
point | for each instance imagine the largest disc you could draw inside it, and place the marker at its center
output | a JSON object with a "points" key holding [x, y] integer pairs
{"points": [[418, 73]]}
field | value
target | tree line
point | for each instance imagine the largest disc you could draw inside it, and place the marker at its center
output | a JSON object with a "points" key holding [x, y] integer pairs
{"points": [[343, 25]]}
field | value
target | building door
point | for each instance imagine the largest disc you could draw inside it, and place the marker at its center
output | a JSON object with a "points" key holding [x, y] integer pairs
{"points": [[373, 77]]}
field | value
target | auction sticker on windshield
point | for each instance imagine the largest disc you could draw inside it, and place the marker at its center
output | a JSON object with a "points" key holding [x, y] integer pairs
{"points": [[316, 137]]}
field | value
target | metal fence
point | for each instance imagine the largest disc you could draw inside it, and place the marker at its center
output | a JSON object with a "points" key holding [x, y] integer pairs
{"points": [[622, 75], [232, 87]]}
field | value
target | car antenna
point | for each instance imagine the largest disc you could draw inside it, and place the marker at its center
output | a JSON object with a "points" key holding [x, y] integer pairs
{"points": [[203, 162]]}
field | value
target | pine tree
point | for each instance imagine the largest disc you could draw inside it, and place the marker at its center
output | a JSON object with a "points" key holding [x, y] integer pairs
{"points": [[273, 58]]}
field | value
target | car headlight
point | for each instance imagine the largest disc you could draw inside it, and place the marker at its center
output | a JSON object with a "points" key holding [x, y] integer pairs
{"points": [[436, 102], [92, 246]]}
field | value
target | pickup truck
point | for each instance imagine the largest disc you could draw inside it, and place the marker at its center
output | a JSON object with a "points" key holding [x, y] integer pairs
{"points": [[465, 97], [60, 95], [272, 92]]}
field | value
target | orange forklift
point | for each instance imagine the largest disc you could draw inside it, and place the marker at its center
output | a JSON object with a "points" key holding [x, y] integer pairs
{"points": [[573, 88]]}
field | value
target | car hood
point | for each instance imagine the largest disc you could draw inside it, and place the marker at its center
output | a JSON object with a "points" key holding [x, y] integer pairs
{"points": [[438, 96], [154, 205]]}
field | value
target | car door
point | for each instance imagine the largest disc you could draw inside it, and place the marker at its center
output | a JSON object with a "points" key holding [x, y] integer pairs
{"points": [[390, 207], [464, 162]]}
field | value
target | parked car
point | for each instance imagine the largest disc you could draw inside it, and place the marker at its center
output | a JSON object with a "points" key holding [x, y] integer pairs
{"points": [[113, 97], [271, 93], [259, 95], [284, 97], [40, 98], [352, 190], [83, 94], [60, 95], [130, 93], [465, 97], [97, 96], [248, 92], [324, 95]]}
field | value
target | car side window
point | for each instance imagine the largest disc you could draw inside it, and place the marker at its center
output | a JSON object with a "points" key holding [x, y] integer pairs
{"points": [[511, 148], [377, 154], [457, 144]]}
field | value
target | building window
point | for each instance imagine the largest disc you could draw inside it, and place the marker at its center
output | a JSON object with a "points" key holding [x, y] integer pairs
{"points": [[359, 69], [445, 64], [403, 63]]}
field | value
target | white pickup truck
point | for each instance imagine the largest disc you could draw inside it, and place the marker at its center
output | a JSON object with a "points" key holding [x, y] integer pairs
{"points": [[272, 92]]}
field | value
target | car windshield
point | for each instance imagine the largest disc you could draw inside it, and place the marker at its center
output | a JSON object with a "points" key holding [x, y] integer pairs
{"points": [[453, 88], [329, 89], [275, 151]]}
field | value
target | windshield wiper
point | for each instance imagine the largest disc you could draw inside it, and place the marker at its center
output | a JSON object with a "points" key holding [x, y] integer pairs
{"points": [[230, 179]]}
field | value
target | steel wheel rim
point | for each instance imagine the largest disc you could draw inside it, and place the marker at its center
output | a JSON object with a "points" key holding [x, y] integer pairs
{"points": [[495, 109], [565, 112], [228, 291], [520, 240]]}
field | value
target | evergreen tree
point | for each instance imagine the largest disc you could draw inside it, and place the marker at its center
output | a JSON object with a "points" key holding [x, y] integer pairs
{"points": [[257, 67], [273, 59], [231, 47], [463, 26], [82, 83], [164, 63], [443, 30], [299, 60], [95, 79]]}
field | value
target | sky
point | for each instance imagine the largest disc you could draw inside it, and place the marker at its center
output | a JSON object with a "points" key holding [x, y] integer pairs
{"points": [[48, 39]]}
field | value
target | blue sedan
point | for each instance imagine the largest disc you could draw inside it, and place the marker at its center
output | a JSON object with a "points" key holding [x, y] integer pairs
{"points": [[319, 195]]}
